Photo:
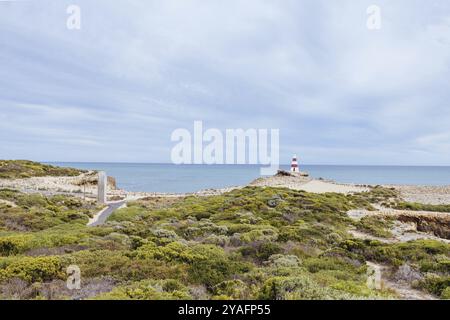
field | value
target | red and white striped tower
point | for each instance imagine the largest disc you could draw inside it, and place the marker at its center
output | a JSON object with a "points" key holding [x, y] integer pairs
{"points": [[294, 164]]}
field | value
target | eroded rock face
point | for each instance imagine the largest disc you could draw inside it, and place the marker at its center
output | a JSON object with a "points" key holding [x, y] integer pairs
{"points": [[440, 227], [112, 183], [91, 179]]}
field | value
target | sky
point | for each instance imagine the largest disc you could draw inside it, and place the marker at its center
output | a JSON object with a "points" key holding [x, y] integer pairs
{"points": [[115, 90]]}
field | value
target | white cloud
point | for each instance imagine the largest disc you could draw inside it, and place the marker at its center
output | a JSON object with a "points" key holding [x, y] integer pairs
{"points": [[138, 70]]}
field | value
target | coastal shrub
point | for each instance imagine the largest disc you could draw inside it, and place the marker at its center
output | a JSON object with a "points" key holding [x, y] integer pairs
{"points": [[270, 243], [31, 200], [15, 169], [446, 293], [31, 269], [357, 288], [306, 233], [317, 264], [14, 244], [204, 228], [174, 251], [218, 240], [281, 260], [231, 289], [140, 269], [428, 255], [264, 250], [137, 242], [377, 195], [422, 207], [376, 226], [169, 289], [126, 214], [263, 234], [207, 264], [36, 212], [299, 288], [124, 265], [260, 251], [211, 265], [163, 233], [17, 243], [346, 282], [435, 284], [98, 262]]}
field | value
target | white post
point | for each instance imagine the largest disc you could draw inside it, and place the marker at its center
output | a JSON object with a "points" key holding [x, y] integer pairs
{"points": [[101, 187]]}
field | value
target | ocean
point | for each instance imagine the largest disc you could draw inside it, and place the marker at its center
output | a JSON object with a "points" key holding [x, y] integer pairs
{"points": [[191, 178]]}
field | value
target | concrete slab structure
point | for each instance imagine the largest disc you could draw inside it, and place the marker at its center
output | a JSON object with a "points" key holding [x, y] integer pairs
{"points": [[102, 186]]}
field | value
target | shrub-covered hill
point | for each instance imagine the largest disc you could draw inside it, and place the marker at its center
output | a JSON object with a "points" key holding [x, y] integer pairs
{"points": [[254, 243], [15, 169]]}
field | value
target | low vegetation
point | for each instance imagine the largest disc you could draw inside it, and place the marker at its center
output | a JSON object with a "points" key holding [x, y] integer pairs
{"points": [[253, 243], [16, 169], [423, 207], [376, 226]]}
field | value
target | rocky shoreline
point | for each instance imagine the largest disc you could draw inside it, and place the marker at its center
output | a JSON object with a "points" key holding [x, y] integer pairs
{"points": [[85, 185]]}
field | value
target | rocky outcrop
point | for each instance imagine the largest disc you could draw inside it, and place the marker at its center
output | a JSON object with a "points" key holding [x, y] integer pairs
{"points": [[91, 179], [439, 226], [283, 173]]}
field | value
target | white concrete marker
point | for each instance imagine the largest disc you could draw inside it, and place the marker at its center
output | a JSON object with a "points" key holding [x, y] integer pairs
{"points": [[102, 186]]}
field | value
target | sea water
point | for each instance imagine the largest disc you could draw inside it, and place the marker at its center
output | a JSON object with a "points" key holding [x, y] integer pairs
{"points": [[191, 178]]}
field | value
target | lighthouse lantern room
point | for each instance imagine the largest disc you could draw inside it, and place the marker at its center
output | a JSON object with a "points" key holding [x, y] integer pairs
{"points": [[294, 164]]}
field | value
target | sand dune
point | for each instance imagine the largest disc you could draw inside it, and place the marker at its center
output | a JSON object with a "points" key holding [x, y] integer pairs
{"points": [[307, 184]]}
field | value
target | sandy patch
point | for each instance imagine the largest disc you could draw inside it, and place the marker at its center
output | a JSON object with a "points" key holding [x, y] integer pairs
{"points": [[402, 289], [55, 185], [317, 186], [425, 194], [8, 203], [307, 184]]}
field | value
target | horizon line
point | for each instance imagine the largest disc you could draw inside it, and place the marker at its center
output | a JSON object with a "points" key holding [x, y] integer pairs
{"points": [[259, 165]]}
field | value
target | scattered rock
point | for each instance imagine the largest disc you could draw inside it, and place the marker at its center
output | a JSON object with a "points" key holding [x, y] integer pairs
{"points": [[407, 274]]}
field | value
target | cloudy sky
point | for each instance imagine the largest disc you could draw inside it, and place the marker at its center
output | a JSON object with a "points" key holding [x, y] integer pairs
{"points": [[137, 70]]}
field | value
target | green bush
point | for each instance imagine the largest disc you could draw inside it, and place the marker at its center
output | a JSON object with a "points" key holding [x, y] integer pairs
{"points": [[149, 290], [14, 244], [435, 284], [376, 226], [269, 243], [423, 207], [446, 294], [299, 288], [232, 289], [31, 269], [35, 212], [14, 169]]}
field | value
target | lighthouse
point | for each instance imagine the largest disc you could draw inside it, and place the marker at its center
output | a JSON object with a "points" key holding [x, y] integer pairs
{"points": [[294, 164]]}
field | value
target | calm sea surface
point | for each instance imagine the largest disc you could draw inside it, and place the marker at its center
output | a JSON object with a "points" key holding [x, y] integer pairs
{"points": [[190, 178]]}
